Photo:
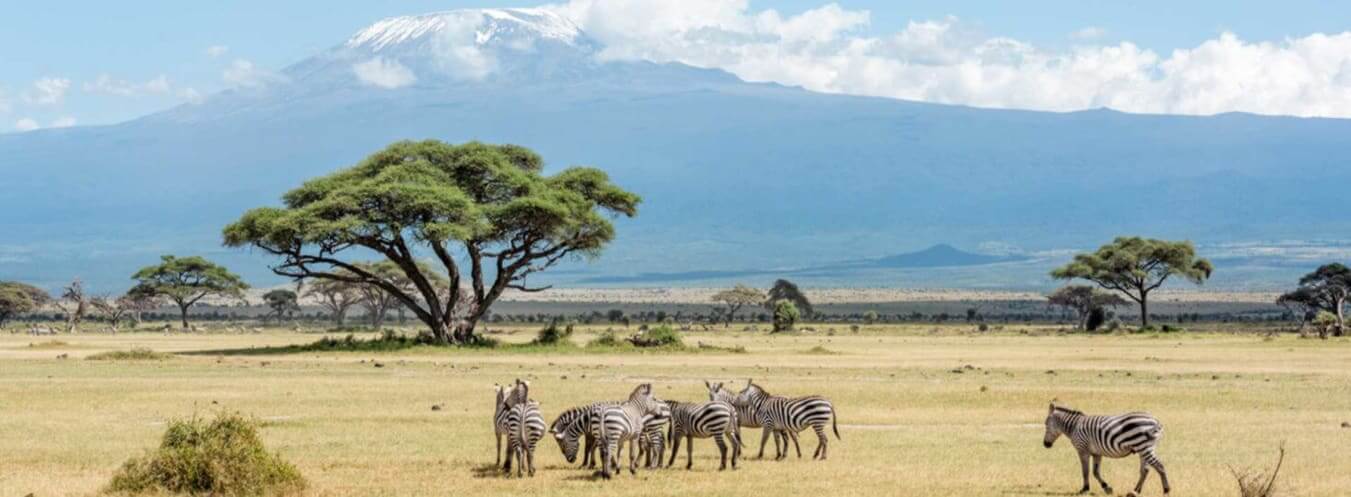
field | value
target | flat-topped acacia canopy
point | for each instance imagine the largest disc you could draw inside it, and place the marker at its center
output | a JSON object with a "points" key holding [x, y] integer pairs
{"points": [[488, 206]]}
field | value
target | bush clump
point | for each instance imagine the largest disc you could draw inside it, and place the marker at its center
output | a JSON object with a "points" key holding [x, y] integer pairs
{"points": [[661, 336], [136, 354], [553, 335], [607, 339], [222, 457]]}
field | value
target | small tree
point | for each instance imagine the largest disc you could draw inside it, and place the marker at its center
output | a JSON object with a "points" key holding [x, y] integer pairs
{"points": [[736, 298], [113, 310], [1325, 322], [870, 317], [1302, 304], [20, 298], [1328, 288], [786, 290], [1083, 300], [785, 315], [139, 299], [187, 280], [1136, 266], [485, 206], [75, 304], [614, 315], [282, 302], [336, 296]]}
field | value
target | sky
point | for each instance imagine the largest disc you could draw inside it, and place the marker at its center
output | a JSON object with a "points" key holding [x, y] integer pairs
{"points": [[66, 63]]}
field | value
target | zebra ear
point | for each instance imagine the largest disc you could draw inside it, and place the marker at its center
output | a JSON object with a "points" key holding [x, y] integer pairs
{"points": [[708, 385]]}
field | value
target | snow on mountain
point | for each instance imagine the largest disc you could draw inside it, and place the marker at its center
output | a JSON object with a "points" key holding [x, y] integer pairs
{"points": [[488, 25]]}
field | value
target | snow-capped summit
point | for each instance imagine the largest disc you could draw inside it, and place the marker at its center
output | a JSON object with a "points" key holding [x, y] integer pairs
{"points": [[482, 27]]}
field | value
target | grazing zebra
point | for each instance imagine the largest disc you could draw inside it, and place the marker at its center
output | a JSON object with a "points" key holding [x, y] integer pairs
{"points": [[652, 443], [526, 427], [786, 417], [716, 420], [572, 427], [615, 425], [1112, 436]]}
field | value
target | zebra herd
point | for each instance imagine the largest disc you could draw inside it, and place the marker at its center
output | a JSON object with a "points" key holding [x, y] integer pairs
{"points": [[639, 421]]}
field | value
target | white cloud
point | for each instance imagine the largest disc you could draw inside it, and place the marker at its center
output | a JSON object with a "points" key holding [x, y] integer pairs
{"points": [[244, 73], [63, 122], [26, 124], [191, 95], [384, 73], [947, 61], [214, 51], [106, 85], [48, 91], [1089, 33]]}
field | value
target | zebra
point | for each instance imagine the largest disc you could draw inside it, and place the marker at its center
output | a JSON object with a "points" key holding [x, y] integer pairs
{"points": [[615, 425], [1111, 436], [716, 420], [526, 427], [652, 443], [506, 398], [786, 417], [572, 428]]}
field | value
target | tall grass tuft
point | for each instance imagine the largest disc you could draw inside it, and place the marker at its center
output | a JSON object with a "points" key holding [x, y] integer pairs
{"points": [[136, 354], [223, 457], [1258, 484]]}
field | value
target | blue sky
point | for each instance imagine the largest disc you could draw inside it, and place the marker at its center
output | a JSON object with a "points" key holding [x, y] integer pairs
{"points": [[156, 54]]}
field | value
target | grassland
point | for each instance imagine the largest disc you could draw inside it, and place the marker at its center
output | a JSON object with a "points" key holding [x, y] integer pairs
{"points": [[915, 419]]}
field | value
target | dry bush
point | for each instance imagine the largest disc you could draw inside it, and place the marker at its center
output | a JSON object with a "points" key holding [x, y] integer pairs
{"points": [[1258, 484]]}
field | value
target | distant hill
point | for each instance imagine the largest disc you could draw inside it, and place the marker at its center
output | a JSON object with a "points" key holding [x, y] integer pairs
{"points": [[734, 175]]}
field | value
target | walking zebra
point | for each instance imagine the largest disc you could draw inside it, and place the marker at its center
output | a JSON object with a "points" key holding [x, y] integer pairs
{"points": [[715, 419], [526, 427], [786, 417], [615, 425], [1111, 436]]}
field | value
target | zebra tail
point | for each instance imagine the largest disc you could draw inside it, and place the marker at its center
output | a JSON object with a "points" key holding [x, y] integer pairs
{"points": [[835, 423]]}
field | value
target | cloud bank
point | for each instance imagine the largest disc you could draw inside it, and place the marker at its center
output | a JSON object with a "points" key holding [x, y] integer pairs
{"points": [[384, 73], [947, 61]]}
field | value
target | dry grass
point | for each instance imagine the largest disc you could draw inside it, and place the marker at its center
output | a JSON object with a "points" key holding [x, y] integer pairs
{"points": [[910, 425]]}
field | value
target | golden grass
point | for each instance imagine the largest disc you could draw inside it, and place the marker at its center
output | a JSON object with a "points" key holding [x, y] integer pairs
{"points": [[911, 424]]}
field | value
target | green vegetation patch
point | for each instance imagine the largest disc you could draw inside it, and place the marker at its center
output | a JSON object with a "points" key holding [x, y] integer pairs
{"points": [[222, 457], [136, 354]]}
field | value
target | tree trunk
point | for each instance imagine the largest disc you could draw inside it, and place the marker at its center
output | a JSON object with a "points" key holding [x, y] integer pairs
{"points": [[339, 316], [378, 319], [1341, 317], [1144, 310], [183, 314]]}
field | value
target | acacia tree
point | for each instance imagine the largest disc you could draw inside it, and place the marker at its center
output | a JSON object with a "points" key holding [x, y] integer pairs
{"points": [[1083, 300], [1302, 304], [138, 299], [1136, 266], [336, 296], [484, 206], [736, 298], [282, 302], [187, 280], [785, 315], [20, 298], [786, 290], [1327, 288]]}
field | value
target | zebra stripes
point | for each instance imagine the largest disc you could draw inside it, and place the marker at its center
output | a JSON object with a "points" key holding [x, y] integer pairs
{"points": [[1117, 436], [714, 419], [525, 428], [783, 417], [506, 398], [615, 425]]}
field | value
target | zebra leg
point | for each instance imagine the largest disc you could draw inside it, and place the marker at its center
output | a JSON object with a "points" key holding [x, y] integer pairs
{"points": [[793, 435], [589, 457], [530, 457], [689, 452], [822, 442], [1158, 466], [499, 450], [780, 440], [736, 448], [1083, 465], [675, 448], [506, 467], [764, 438], [1097, 473], [1144, 473], [633, 456], [722, 449]]}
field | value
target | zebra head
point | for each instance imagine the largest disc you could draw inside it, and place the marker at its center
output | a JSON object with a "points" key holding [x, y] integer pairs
{"points": [[1055, 424], [648, 402], [716, 392], [751, 395], [501, 401], [567, 441]]}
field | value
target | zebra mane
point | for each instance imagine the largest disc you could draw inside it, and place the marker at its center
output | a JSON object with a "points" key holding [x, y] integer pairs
{"points": [[1067, 410]]}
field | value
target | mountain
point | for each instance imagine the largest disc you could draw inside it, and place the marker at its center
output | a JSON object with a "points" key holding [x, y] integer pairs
{"points": [[734, 175], [942, 255]]}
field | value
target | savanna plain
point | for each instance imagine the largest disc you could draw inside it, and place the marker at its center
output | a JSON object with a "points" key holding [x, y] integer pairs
{"points": [[923, 410]]}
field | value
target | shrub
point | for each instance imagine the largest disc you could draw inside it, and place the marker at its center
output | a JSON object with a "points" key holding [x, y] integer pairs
{"points": [[785, 315], [136, 354], [1113, 325], [607, 339], [661, 336], [223, 457], [1168, 328], [820, 350], [1096, 317], [1258, 484], [553, 335], [983, 327]]}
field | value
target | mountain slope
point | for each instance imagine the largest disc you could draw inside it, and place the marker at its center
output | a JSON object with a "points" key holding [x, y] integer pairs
{"points": [[734, 175]]}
